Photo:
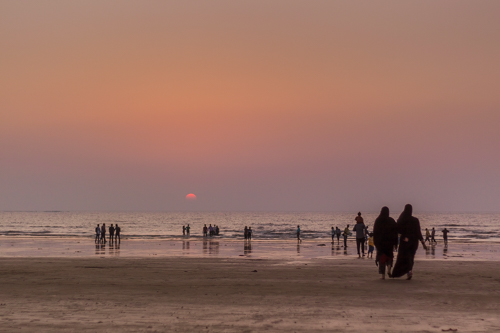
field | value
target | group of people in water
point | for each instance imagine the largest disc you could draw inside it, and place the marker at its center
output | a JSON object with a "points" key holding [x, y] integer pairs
{"points": [[114, 234], [210, 231]]}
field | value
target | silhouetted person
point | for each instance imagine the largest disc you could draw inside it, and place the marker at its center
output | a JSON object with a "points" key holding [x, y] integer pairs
{"points": [[97, 234], [183, 230], [245, 232], [409, 228], [111, 233], [205, 230], [117, 233], [250, 233], [188, 229], [338, 232], [385, 238], [333, 235], [345, 234], [433, 236], [445, 236], [298, 234], [103, 233], [360, 229], [427, 236]]}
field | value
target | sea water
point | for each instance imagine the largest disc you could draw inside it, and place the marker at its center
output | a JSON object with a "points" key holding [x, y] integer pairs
{"points": [[463, 227]]}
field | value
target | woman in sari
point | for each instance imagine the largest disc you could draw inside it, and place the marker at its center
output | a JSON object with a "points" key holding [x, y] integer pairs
{"points": [[385, 237], [409, 228]]}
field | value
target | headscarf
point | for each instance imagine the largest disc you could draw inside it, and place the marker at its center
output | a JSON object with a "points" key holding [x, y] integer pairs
{"points": [[407, 212]]}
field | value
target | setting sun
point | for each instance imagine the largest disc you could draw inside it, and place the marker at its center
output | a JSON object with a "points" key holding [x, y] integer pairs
{"points": [[191, 197]]}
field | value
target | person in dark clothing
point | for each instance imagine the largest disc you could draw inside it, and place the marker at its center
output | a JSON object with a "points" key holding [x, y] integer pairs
{"points": [[117, 234], [103, 233], [409, 228], [111, 233], [445, 236], [385, 238], [360, 229]]}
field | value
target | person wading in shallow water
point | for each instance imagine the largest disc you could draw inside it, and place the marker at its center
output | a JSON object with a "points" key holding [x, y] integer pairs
{"points": [[409, 228]]}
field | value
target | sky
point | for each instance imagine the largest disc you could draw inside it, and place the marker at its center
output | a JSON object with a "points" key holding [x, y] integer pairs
{"points": [[278, 105]]}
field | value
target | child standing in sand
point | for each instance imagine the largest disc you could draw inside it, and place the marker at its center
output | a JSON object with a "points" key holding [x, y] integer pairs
{"points": [[371, 245]]}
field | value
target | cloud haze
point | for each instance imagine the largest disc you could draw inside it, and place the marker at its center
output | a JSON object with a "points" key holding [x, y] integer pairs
{"points": [[281, 105]]}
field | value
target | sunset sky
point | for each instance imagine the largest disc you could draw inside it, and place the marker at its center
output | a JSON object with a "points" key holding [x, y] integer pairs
{"points": [[250, 105]]}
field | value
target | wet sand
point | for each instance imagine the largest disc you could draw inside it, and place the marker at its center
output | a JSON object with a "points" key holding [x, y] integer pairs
{"points": [[196, 247], [241, 294]]}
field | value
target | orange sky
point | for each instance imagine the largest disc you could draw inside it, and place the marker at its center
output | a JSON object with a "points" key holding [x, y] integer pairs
{"points": [[264, 105]]}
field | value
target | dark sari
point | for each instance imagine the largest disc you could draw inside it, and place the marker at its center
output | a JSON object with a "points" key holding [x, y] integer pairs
{"points": [[385, 238], [409, 228]]}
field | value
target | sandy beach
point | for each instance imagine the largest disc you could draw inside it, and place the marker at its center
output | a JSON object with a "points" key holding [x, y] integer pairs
{"points": [[206, 294]]}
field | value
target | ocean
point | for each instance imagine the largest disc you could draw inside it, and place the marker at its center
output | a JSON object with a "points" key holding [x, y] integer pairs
{"points": [[470, 227]]}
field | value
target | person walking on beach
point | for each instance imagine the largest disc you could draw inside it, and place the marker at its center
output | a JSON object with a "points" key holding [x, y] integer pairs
{"points": [[111, 233], [345, 234], [298, 235], [334, 232], [188, 229], [338, 232], [385, 238], [409, 228], [245, 232], [427, 236], [117, 234], [433, 236], [103, 233], [249, 233], [183, 230], [360, 228], [445, 236], [97, 234]]}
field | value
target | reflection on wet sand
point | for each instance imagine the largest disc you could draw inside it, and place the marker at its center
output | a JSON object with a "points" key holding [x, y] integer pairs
{"points": [[185, 245], [213, 247], [113, 249], [335, 250], [247, 248], [298, 248]]}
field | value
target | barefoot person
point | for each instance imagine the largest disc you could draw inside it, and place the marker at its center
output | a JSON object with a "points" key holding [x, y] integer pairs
{"points": [[409, 228], [298, 234], [385, 237]]}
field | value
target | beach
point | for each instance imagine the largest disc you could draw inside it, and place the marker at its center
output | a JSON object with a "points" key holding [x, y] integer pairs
{"points": [[179, 293]]}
